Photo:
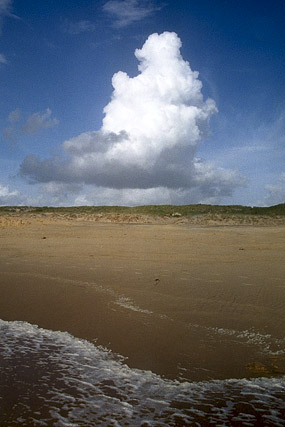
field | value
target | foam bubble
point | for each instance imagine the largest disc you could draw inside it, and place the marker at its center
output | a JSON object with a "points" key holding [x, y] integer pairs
{"points": [[129, 304], [266, 342]]}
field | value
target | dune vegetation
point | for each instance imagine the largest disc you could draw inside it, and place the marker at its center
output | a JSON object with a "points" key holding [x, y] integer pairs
{"points": [[152, 210]]}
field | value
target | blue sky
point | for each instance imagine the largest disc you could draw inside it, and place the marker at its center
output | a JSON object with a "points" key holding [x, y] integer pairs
{"points": [[71, 137]]}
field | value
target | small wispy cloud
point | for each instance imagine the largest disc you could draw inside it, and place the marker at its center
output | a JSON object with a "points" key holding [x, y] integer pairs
{"points": [[3, 59], [6, 11], [14, 116], [276, 191], [8, 197], [74, 28], [126, 12], [32, 124], [5, 7], [38, 121]]}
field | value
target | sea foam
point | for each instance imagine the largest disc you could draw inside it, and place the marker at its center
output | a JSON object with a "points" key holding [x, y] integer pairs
{"points": [[51, 378]]}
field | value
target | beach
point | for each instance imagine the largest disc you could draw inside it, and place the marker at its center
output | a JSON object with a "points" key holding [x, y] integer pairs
{"points": [[188, 302]]}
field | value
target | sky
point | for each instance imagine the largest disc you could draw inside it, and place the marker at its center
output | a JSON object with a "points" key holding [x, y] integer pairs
{"points": [[134, 102]]}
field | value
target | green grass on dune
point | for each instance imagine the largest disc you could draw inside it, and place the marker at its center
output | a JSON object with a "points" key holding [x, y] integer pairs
{"points": [[155, 210]]}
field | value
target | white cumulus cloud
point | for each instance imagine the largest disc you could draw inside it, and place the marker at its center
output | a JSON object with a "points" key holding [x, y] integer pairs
{"points": [[149, 135]]}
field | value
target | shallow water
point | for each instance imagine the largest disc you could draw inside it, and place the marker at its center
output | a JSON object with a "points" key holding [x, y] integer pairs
{"points": [[51, 378]]}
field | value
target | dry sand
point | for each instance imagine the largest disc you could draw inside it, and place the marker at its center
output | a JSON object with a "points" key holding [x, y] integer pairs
{"points": [[181, 299]]}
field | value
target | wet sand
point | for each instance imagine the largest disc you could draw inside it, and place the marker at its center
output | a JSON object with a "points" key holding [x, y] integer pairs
{"points": [[184, 301]]}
